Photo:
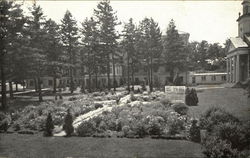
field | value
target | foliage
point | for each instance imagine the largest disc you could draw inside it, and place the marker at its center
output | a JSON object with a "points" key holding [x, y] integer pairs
{"points": [[69, 37], [138, 120], [194, 132], [5, 121], [217, 148], [86, 129], [215, 116], [68, 124], [49, 126], [191, 98], [174, 51], [180, 108], [233, 132], [107, 21]]}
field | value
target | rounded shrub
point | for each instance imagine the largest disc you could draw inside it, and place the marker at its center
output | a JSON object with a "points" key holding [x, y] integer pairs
{"points": [[180, 108], [86, 128]]}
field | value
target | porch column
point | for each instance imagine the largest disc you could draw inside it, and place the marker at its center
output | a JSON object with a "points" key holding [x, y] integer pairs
{"points": [[227, 70], [237, 68], [248, 65], [230, 69], [234, 62]]}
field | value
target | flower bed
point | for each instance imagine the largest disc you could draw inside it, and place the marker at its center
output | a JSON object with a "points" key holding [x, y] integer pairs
{"points": [[34, 117], [137, 119]]}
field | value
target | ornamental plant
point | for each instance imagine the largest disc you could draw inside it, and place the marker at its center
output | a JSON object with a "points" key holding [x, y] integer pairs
{"points": [[68, 124]]}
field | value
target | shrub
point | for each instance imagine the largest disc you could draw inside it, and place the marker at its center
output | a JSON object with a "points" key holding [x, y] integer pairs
{"points": [[180, 108], [215, 116], [98, 105], [86, 128], [4, 121], [125, 130], [165, 101], [49, 126], [195, 132], [132, 97], [217, 148], [235, 133], [68, 124], [191, 98]]}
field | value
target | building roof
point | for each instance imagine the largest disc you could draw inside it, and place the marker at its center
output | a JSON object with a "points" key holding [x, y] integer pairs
{"points": [[238, 42], [208, 73]]}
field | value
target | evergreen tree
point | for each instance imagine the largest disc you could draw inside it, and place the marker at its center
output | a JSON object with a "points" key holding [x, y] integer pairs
{"points": [[69, 37], [36, 33], [107, 21], [54, 53], [49, 126], [68, 124], [150, 46], [11, 26], [174, 51], [90, 42], [128, 45]]}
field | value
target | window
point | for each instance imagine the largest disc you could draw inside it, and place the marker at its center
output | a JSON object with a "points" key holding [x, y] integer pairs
{"points": [[31, 83], [203, 78], [213, 78], [50, 82], [223, 78], [137, 81], [193, 79]]}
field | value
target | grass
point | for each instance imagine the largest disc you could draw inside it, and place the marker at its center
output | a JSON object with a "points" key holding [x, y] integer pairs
{"points": [[37, 146], [232, 100]]}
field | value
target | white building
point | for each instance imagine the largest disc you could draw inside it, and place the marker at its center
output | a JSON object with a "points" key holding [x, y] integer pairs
{"points": [[238, 67], [206, 78]]}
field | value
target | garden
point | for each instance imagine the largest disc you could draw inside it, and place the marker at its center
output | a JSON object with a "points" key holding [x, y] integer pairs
{"points": [[135, 115]]}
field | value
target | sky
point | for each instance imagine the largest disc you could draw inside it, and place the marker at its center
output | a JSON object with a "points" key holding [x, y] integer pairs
{"points": [[213, 21]]}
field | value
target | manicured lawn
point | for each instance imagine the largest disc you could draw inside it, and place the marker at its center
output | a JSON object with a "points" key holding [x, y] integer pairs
{"points": [[231, 99], [37, 146]]}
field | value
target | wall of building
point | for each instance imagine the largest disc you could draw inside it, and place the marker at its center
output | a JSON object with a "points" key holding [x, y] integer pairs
{"points": [[207, 78]]}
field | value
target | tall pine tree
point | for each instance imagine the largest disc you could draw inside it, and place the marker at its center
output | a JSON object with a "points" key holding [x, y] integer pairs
{"points": [[107, 21], [11, 26], [69, 37], [174, 51]]}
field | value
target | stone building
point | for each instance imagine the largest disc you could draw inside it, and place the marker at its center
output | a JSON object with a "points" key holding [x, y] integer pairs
{"points": [[238, 67]]}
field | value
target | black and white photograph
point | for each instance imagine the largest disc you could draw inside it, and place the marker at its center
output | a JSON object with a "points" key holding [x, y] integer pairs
{"points": [[124, 79]]}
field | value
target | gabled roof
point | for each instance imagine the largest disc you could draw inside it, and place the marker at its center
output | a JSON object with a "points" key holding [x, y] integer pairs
{"points": [[238, 42]]}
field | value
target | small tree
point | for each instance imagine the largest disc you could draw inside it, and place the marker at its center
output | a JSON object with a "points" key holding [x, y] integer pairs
{"points": [[68, 124], [49, 126]]}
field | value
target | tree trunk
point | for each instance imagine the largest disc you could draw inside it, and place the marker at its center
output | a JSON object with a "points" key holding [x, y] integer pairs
{"points": [[114, 77], [11, 90], [90, 85], [132, 77], [36, 85], [128, 74], [16, 87], [71, 81], [96, 80], [54, 84], [108, 71], [39, 90], [151, 75], [3, 80]]}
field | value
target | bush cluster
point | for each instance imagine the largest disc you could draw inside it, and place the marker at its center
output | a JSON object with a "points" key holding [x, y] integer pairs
{"points": [[227, 136], [191, 98], [136, 121]]}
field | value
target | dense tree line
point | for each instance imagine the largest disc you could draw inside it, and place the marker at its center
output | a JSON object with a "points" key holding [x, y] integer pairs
{"points": [[33, 47]]}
